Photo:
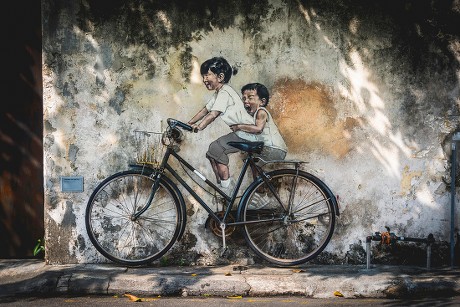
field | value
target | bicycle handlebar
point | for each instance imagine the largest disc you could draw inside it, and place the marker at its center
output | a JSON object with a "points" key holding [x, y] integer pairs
{"points": [[176, 123]]}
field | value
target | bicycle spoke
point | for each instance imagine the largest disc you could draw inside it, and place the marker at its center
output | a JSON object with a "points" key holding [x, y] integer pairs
{"points": [[119, 236], [121, 203], [302, 232], [122, 244], [158, 234]]}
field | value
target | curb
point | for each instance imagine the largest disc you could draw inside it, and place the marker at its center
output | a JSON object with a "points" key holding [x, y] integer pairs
{"points": [[36, 278]]}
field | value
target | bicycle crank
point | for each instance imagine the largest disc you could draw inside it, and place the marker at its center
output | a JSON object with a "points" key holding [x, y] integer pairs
{"points": [[215, 226]]}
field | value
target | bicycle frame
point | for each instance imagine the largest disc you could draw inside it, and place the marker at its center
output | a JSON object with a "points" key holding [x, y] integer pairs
{"points": [[230, 200]]}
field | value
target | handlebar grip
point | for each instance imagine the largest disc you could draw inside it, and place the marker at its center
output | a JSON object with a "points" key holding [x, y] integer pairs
{"points": [[176, 123]]}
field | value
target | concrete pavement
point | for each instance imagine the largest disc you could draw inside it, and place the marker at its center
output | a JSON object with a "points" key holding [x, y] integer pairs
{"points": [[34, 277]]}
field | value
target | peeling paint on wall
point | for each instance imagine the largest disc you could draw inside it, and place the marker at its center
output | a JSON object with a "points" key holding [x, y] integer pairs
{"points": [[407, 180]]}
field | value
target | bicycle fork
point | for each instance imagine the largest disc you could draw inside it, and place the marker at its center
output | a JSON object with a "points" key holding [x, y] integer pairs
{"points": [[155, 186]]}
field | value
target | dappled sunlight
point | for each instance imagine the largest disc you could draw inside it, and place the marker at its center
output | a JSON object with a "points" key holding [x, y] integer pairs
{"points": [[357, 76], [88, 37], [96, 69], [397, 139], [53, 105], [354, 25], [387, 155], [304, 12], [195, 75], [109, 140], [379, 122], [364, 94], [371, 107], [425, 196], [329, 42], [61, 139], [161, 15]]}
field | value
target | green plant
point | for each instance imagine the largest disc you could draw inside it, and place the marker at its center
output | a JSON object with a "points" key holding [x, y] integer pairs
{"points": [[164, 261], [40, 247]]}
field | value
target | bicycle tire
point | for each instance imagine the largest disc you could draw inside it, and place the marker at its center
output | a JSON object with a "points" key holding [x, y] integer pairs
{"points": [[288, 239], [121, 239]]}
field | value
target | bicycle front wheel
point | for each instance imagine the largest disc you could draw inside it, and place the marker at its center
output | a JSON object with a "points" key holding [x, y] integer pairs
{"points": [[117, 234], [292, 220]]}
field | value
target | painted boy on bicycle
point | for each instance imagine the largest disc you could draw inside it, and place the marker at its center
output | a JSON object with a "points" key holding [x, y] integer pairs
{"points": [[255, 99]]}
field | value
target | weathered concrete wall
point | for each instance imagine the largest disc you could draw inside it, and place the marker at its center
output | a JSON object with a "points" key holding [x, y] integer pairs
{"points": [[367, 92]]}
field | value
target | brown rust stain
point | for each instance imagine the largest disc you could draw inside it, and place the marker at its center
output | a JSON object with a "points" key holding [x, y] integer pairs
{"points": [[307, 118]]}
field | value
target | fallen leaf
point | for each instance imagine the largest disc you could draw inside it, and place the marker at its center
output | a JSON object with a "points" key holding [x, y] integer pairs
{"points": [[298, 271], [193, 274], [337, 293], [133, 298], [228, 274], [235, 297], [150, 299]]}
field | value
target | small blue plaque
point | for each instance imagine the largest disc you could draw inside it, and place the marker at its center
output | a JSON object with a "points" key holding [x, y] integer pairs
{"points": [[72, 184]]}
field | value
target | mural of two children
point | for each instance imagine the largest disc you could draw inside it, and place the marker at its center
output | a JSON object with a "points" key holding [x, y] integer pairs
{"points": [[247, 117]]}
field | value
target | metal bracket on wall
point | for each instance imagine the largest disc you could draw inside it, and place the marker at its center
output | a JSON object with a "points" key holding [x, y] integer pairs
{"points": [[390, 238]]}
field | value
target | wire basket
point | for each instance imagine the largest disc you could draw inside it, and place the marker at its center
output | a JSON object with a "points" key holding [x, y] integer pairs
{"points": [[149, 147]]}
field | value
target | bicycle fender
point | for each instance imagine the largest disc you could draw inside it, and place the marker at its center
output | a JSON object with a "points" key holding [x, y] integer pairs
{"points": [[142, 168], [259, 179], [334, 201]]}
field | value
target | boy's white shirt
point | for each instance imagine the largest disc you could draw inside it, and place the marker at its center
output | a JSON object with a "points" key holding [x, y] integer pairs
{"points": [[231, 108]]}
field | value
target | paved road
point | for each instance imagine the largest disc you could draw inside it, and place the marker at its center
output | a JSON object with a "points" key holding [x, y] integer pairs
{"points": [[119, 301]]}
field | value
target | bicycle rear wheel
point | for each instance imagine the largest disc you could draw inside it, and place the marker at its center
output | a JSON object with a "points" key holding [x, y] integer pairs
{"points": [[293, 229], [126, 240]]}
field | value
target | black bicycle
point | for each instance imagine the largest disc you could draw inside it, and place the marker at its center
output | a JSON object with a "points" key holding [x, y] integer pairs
{"points": [[135, 216]]}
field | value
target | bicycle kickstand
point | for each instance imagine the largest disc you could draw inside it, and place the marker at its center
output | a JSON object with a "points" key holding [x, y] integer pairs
{"points": [[224, 246]]}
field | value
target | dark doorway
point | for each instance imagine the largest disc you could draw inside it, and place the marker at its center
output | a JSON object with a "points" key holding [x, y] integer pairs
{"points": [[21, 122]]}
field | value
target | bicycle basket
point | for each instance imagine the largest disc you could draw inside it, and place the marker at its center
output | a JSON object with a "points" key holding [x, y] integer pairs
{"points": [[149, 148]]}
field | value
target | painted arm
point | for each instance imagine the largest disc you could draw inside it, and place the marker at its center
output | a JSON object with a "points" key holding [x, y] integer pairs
{"points": [[205, 117], [198, 116], [261, 119]]}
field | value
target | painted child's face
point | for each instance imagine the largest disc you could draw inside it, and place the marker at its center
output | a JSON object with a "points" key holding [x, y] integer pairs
{"points": [[251, 101], [212, 81]]}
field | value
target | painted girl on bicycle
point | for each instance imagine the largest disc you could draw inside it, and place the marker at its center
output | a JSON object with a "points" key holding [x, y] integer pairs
{"points": [[226, 104]]}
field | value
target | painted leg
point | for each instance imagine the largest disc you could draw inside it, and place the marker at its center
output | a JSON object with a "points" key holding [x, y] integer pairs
{"points": [[223, 171], [214, 169]]}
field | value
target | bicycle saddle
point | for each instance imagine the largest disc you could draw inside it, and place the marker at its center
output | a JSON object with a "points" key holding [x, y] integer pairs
{"points": [[251, 147]]}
